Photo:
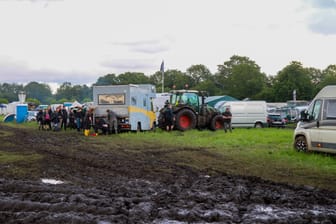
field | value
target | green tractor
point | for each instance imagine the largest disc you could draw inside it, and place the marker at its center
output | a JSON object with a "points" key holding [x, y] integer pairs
{"points": [[191, 111]]}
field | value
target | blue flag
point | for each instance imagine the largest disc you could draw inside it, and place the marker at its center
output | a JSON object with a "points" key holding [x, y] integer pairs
{"points": [[162, 67]]}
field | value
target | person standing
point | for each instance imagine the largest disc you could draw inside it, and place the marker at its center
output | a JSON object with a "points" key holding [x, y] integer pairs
{"points": [[88, 119], [227, 116], [169, 118], [64, 113], [78, 118], [112, 121], [40, 120]]}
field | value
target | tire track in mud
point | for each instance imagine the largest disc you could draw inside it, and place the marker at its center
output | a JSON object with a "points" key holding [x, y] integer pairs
{"points": [[125, 185]]}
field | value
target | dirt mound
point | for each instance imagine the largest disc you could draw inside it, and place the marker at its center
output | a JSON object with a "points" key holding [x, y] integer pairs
{"points": [[115, 186]]}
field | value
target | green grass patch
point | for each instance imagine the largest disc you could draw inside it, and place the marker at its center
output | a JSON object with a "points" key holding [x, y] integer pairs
{"points": [[16, 164], [10, 157], [267, 153]]}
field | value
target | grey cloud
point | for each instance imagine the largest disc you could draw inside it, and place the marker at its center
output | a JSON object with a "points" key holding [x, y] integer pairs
{"points": [[324, 23], [322, 4], [13, 72], [147, 46], [323, 19], [121, 65]]}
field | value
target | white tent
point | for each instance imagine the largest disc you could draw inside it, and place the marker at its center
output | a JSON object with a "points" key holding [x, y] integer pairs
{"points": [[76, 104]]}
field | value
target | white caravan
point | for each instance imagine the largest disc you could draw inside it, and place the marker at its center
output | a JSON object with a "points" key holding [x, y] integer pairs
{"points": [[317, 128], [247, 113]]}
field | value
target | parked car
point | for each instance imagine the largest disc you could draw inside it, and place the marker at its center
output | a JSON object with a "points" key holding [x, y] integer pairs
{"points": [[31, 116], [276, 120]]}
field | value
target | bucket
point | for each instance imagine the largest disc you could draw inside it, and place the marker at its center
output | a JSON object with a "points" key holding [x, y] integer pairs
{"points": [[86, 132]]}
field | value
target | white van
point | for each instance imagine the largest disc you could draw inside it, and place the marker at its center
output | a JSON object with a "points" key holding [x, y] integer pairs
{"points": [[317, 129], [247, 113]]}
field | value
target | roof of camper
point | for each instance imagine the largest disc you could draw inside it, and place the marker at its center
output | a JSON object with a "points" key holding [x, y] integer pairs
{"points": [[327, 91]]}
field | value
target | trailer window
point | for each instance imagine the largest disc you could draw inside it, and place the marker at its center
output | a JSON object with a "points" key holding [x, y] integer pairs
{"points": [[111, 99]]}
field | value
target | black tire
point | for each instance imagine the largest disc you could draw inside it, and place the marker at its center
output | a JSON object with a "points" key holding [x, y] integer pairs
{"points": [[300, 144], [185, 120], [258, 125], [217, 123]]}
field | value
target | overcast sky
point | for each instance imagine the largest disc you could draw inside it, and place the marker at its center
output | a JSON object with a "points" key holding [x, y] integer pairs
{"points": [[78, 41]]}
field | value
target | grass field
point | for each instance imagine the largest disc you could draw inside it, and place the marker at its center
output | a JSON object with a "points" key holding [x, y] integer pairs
{"points": [[267, 153]]}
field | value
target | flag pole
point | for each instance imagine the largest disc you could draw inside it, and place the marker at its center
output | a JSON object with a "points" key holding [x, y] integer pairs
{"points": [[162, 71], [162, 81]]}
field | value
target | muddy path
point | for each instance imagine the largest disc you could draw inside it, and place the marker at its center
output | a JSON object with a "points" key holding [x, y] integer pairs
{"points": [[119, 184]]}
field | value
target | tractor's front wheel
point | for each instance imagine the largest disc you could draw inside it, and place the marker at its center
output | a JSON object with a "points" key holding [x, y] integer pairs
{"points": [[185, 120]]}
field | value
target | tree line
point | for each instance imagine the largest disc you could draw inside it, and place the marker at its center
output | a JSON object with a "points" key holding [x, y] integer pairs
{"points": [[239, 77]]}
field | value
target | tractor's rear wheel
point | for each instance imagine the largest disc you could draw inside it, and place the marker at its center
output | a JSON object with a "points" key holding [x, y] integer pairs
{"points": [[185, 120], [217, 122]]}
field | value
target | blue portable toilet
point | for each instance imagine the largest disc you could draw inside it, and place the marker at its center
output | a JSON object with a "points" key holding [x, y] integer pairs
{"points": [[21, 112]]}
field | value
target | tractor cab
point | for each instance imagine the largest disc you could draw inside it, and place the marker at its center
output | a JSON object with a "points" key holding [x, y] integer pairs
{"points": [[182, 98], [191, 111]]}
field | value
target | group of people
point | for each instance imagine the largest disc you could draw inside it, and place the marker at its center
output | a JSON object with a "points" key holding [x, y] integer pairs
{"points": [[75, 118], [52, 120], [82, 119]]}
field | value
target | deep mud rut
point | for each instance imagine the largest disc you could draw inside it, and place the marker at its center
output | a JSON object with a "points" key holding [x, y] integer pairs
{"points": [[109, 186]]}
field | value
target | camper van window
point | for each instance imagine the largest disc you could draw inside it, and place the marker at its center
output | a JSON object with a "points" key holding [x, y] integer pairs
{"points": [[316, 110], [111, 99], [330, 109], [144, 102]]}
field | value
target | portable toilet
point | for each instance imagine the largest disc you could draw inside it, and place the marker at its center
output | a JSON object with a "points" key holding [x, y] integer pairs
{"points": [[21, 112]]}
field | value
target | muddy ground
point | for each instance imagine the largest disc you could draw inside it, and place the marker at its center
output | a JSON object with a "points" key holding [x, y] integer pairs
{"points": [[112, 185]]}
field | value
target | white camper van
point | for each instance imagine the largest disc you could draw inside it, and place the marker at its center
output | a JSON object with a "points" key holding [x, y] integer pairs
{"points": [[317, 128], [247, 113]]}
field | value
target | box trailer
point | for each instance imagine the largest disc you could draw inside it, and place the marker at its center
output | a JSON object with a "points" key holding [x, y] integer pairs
{"points": [[133, 105]]}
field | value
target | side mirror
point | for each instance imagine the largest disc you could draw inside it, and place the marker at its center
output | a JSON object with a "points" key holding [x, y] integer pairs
{"points": [[304, 116]]}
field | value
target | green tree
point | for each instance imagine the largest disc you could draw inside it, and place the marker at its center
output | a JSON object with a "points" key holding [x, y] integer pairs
{"points": [[198, 73], [109, 79], [33, 101], [133, 78], [209, 86], [10, 91], [176, 79], [156, 79], [39, 91], [293, 77], [328, 77], [3, 100], [241, 77], [67, 92]]}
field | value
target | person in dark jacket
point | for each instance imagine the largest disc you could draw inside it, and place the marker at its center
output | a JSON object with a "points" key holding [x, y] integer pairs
{"points": [[78, 118], [88, 119], [64, 113], [169, 118], [40, 120]]}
